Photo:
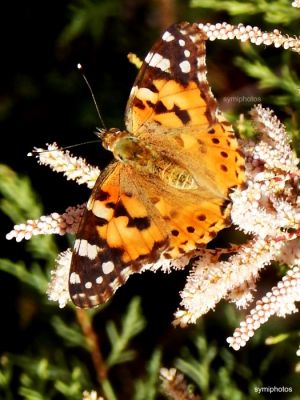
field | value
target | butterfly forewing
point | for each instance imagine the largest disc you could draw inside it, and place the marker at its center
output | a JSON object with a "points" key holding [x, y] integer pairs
{"points": [[171, 88]]}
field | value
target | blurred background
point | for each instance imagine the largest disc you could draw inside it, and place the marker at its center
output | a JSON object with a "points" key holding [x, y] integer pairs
{"points": [[45, 352]]}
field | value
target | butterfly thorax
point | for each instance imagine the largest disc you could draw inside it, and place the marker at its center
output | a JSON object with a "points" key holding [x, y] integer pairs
{"points": [[142, 157]]}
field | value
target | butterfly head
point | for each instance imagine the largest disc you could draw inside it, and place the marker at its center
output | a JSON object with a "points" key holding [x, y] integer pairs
{"points": [[110, 137]]}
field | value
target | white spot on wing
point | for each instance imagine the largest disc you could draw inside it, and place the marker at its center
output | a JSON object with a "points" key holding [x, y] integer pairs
{"points": [[76, 245], [167, 37], [74, 278], [148, 57], [160, 62], [88, 285], [187, 53], [100, 210], [114, 285], [146, 94], [185, 67], [133, 89], [164, 64], [124, 273], [201, 76], [108, 267], [200, 61], [181, 42], [85, 249], [94, 300], [99, 280], [92, 251]]}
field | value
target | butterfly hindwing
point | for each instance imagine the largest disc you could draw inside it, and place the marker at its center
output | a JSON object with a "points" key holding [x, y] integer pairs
{"points": [[115, 238]]}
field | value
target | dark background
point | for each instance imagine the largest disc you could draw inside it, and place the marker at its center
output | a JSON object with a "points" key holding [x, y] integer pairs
{"points": [[43, 99]]}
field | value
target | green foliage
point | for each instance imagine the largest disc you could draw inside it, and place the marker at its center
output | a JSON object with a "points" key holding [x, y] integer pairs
{"points": [[274, 12], [41, 379], [19, 208], [133, 323], [88, 16], [215, 383], [146, 388], [6, 372], [284, 79], [23, 206], [70, 332], [34, 278]]}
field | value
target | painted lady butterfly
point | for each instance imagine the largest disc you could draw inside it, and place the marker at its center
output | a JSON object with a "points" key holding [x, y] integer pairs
{"points": [[167, 192]]}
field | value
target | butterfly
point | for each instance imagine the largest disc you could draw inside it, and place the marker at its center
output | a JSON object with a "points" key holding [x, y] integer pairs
{"points": [[166, 192]]}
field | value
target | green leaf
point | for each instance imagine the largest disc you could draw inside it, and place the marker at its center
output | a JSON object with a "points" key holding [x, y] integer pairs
{"points": [[25, 204], [146, 388], [35, 278], [132, 324], [87, 16], [274, 12], [70, 332]]}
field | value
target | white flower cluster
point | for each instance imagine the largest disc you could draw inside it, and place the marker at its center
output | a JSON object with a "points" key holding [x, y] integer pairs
{"points": [[225, 31], [54, 223], [73, 168], [173, 385], [269, 210]]}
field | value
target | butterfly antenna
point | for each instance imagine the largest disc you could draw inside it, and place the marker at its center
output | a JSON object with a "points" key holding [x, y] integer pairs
{"points": [[79, 67], [33, 152]]}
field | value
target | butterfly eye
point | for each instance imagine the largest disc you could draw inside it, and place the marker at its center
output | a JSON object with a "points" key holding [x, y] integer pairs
{"points": [[115, 132]]}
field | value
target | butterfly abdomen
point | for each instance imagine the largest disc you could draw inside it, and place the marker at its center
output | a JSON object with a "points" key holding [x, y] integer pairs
{"points": [[175, 175]]}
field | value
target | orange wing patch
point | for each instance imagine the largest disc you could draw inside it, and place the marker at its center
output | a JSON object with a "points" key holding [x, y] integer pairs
{"points": [[170, 105], [115, 238], [191, 226]]}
